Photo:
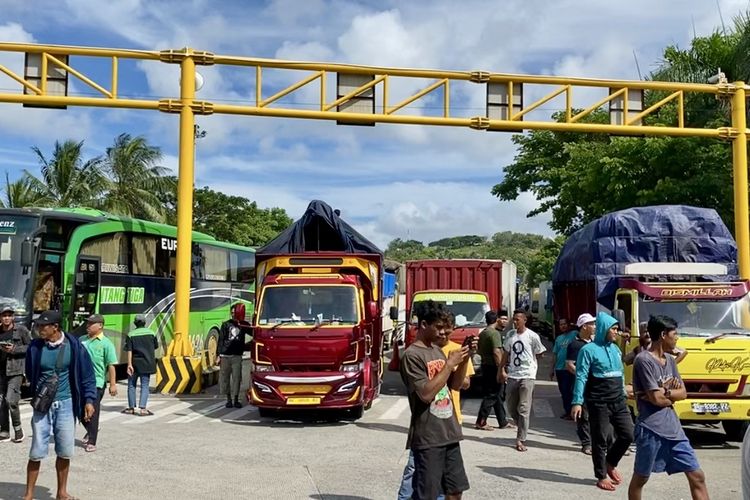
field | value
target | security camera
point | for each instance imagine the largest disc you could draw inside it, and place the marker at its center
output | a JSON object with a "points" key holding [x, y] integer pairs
{"points": [[719, 77]]}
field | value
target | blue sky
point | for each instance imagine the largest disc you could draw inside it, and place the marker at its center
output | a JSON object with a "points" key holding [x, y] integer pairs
{"points": [[389, 180]]}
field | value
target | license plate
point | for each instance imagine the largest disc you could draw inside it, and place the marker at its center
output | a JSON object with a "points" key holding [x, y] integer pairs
{"points": [[303, 401], [711, 408]]}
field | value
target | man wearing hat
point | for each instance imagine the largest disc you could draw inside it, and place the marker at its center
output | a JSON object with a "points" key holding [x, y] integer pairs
{"points": [[14, 340], [57, 355], [104, 359], [586, 327], [141, 345]]}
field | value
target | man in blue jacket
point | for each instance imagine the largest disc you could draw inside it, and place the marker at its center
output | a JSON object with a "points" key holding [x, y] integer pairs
{"points": [[599, 381], [74, 398]]}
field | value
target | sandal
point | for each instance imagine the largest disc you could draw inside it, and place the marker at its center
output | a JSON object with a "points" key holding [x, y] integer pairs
{"points": [[128, 411], [586, 450], [484, 427], [145, 413], [85, 439], [521, 447], [89, 448]]}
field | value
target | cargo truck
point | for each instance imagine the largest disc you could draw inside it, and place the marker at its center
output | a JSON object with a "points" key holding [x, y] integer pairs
{"points": [[678, 261], [317, 339]]}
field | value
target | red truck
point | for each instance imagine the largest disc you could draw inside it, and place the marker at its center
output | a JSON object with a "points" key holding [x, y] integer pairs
{"points": [[469, 288], [317, 329]]}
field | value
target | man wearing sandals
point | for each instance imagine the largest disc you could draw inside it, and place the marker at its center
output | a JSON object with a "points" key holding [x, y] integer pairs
{"points": [[586, 327], [519, 367], [599, 380], [103, 357], [59, 354], [141, 345]]}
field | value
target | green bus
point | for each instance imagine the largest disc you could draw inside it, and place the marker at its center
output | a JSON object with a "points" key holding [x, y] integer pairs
{"points": [[82, 261]]}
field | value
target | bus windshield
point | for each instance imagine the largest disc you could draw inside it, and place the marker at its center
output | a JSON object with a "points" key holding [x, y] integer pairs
{"points": [[14, 285], [701, 318], [309, 304]]}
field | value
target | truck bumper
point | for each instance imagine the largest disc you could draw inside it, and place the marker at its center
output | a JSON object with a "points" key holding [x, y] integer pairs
{"points": [[306, 390], [694, 409]]}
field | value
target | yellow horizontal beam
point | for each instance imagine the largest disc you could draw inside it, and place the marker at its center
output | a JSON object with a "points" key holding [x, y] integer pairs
{"points": [[91, 83], [99, 102], [79, 51]]}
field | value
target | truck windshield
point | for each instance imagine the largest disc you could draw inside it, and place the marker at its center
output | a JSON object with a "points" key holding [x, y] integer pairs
{"points": [[703, 318], [14, 285], [466, 313], [308, 304]]}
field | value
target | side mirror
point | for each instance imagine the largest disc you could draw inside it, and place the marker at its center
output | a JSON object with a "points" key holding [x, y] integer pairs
{"points": [[619, 315], [372, 310], [27, 253], [393, 313]]}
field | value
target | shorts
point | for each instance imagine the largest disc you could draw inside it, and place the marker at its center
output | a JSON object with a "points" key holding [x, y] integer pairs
{"points": [[656, 454], [438, 470], [59, 420]]}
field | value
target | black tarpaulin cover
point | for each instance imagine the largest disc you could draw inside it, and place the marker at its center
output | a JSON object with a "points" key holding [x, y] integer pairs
{"points": [[666, 233], [320, 229]]}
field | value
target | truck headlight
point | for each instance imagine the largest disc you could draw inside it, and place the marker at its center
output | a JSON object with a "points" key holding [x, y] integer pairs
{"points": [[262, 387], [352, 368], [348, 387], [262, 368]]}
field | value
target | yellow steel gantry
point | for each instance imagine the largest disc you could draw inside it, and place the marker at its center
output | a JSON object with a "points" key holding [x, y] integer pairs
{"points": [[386, 111]]}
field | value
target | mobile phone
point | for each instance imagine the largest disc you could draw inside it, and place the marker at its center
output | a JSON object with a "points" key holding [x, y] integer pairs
{"points": [[468, 341]]}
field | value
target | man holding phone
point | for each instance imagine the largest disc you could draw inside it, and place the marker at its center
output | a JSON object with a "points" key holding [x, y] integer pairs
{"points": [[14, 340]]}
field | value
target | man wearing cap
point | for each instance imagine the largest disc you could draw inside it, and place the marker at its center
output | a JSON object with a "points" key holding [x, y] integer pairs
{"points": [[586, 327], [14, 340], [103, 357], [558, 371], [59, 354], [141, 345]]}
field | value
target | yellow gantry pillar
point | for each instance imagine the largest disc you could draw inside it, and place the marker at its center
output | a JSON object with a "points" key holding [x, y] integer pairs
{"points": [[181, 345]]}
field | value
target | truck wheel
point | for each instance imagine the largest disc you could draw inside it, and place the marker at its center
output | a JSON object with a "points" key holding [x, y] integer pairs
{"points": [[735, 429], [210, 345]]}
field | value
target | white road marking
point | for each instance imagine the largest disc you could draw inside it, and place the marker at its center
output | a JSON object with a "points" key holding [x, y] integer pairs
{"points": [[236, 414], [165, 412], [396, 410], [112, 414], [198, 414]]}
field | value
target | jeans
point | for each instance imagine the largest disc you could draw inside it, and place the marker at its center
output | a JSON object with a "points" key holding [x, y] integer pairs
{"points": [[565, 381], [92, 426], [132, 380], [406, 489], [230, 367], [58, 420], [494, 396], [604, 451], [10, 395], [519, 395]]}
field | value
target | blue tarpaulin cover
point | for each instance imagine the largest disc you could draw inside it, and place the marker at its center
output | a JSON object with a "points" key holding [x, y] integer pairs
{"points": [[389, 284], [668, 233]]}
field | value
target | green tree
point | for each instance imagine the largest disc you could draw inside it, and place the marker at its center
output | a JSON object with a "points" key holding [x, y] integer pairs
{"points": [[541, 263], [236, 219], [21, 193], [134, 179], [579, 177], [67, 180]]}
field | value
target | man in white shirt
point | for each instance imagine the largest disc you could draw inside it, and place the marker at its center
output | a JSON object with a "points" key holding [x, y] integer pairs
{"points": [[519, 362]]}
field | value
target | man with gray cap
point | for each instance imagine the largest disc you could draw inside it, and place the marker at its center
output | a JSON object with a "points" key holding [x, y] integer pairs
{"points": [[14, 340], [141, 345], [586, 328], [103, 357]]}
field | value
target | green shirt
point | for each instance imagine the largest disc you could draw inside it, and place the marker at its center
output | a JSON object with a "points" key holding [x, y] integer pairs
{"points": [[102, 353], [489, 339]]}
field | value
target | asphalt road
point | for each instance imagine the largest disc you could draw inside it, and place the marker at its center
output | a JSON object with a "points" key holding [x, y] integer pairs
{"points": [[195, 448]]}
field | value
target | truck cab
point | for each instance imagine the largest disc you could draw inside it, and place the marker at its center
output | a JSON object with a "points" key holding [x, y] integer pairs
{"points": [[714, 328]]}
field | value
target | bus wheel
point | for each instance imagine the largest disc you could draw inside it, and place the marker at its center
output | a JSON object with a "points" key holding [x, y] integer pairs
{"points": [[211, 345], [735, 429]]}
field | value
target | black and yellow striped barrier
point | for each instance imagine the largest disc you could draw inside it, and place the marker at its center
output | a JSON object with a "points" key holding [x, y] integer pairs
{"points": [[179, 374]]}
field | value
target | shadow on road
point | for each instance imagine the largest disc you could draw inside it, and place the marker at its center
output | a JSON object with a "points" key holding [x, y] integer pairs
{"points": [[17, 490], [327, 496], [518, 474]]}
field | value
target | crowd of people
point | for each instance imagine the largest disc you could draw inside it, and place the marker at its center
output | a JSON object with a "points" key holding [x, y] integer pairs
{"points": [[588, 365]]}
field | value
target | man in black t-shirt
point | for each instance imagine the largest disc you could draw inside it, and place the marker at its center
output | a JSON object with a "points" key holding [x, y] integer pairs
{"points": [[434, 432], [586, 327]]}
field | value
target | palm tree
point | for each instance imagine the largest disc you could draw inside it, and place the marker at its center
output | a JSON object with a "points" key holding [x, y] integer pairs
{"points": [[67, 180], [135, 182], [22, 193]]}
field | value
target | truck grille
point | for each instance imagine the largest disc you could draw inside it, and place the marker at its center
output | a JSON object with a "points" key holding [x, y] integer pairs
{"points": [[307, 368], [713, 388]]}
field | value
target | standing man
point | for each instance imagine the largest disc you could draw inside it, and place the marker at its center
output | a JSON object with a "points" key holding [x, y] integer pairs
{"points": [[559, 371], [141, 345], [586, 327], [491, 349], [434, 432], [661, 444], [230, 347], [14, 341], [502, 324], [600, 382], [57, 356], [518, 368], [102, 353]]}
